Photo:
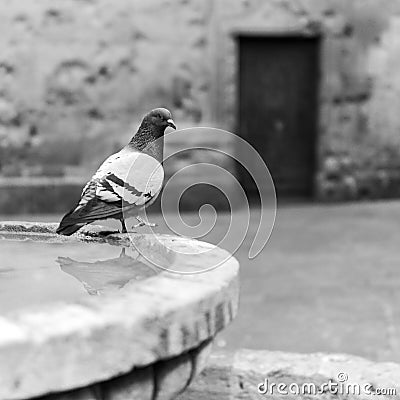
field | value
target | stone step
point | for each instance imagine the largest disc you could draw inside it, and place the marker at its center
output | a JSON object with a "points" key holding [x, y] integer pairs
{"points": [[256, 374]]}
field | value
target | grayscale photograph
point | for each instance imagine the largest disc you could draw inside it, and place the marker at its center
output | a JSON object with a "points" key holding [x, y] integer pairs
{"points": [[199, 199]]}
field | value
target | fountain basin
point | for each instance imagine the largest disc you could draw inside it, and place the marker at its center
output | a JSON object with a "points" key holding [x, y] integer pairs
{"points": [[138, 325]]}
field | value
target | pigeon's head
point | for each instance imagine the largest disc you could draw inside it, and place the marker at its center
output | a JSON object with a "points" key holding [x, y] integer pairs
{"points": [[152, 128], [160, 118]]}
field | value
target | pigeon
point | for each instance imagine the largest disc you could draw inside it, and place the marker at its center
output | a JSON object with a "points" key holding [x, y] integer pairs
{"points": [[101, 276], [127, 181]]}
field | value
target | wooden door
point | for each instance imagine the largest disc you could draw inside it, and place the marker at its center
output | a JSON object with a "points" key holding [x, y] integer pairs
{"points": [[278, 82]]}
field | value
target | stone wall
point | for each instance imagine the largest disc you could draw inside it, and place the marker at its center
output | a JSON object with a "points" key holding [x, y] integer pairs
{"points": [[77, 75], [358, 144]]}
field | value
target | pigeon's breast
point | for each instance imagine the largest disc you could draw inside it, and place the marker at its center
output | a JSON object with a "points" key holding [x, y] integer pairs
{"points": [[135, 178]]}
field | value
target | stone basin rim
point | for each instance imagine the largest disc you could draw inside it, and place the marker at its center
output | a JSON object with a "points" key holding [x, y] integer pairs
{"points": [[78, 344]]}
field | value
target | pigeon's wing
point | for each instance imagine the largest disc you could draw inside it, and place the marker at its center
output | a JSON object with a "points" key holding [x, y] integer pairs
{"points": [[125, 180], [89, 190]]}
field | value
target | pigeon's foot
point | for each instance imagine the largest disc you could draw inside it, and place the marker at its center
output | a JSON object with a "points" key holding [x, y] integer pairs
{"points": [[142, 222], [124, 230]]}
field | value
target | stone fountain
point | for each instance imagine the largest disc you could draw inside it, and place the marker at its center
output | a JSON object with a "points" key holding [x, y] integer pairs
{"points": [[113, 316]]}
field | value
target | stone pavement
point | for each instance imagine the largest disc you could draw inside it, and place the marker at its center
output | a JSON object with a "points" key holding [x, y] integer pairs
{"points": [[328, 281]]}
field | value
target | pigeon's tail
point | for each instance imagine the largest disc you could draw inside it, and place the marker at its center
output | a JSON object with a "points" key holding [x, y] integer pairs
{"points": [[68, 230], [69, 224], [89, 212]]}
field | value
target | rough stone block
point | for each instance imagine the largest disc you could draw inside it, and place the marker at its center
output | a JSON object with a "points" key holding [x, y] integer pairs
{"points": [[240, 375]]}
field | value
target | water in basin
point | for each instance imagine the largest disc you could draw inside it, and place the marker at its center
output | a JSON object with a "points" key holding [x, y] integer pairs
{"points": [[34, 273]]}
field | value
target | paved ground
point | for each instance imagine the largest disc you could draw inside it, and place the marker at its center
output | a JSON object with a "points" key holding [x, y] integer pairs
{"points": [[328, 280]]}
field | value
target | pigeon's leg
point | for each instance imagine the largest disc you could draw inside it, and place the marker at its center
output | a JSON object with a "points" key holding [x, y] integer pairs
{"points": [[124, 230], [142, 222]]}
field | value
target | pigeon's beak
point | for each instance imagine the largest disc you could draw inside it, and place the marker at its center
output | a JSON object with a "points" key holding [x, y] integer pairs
{"points": [[171, 123]]}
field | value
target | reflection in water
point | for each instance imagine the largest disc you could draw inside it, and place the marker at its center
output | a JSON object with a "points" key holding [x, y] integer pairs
{"points": [[102, 276], [34, 273]]}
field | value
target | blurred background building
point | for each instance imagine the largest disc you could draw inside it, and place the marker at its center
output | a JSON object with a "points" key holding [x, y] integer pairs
{"points": [[313, 85]]}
